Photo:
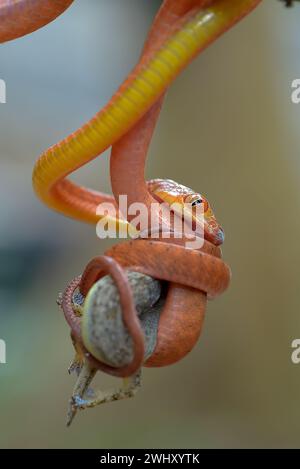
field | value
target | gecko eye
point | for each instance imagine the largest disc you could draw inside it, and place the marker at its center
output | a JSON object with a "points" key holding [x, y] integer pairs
{"points": [[196, 202]]}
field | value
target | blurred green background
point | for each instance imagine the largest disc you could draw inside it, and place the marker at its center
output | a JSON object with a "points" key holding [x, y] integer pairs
{"points": [[229, 130]]}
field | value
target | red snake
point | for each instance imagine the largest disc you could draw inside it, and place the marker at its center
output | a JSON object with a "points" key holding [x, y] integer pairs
{"points": [[180, 31]]}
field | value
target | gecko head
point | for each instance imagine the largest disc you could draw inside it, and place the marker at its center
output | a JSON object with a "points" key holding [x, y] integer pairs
{"points": [[196, 207]]}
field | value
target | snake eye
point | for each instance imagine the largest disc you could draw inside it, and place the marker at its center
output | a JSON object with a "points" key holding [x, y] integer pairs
{"points": [[196, 202]]}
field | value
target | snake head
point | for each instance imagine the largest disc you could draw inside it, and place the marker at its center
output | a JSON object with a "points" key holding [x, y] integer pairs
{"points": [[174, 194]]}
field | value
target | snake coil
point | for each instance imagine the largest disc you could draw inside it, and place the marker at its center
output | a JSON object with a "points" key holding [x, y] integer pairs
{"points": [[183, 312]]}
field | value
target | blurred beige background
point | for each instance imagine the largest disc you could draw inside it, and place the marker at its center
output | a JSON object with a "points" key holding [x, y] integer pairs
{"points": [[229, 130]]}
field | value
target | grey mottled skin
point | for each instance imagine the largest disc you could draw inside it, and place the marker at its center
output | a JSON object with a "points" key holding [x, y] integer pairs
{"points": [[107, 332]]}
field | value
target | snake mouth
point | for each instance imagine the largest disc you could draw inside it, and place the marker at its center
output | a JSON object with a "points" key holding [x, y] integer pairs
{"points": [[201, 225], [191, 209], [198, 224]]}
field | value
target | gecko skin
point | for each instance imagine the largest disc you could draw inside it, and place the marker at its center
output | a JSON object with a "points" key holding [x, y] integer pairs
{"points": [[180, 31]]}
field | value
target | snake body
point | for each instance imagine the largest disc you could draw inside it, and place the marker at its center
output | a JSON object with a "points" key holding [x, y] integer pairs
{"points": [[21, 17], [180, 31]]}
